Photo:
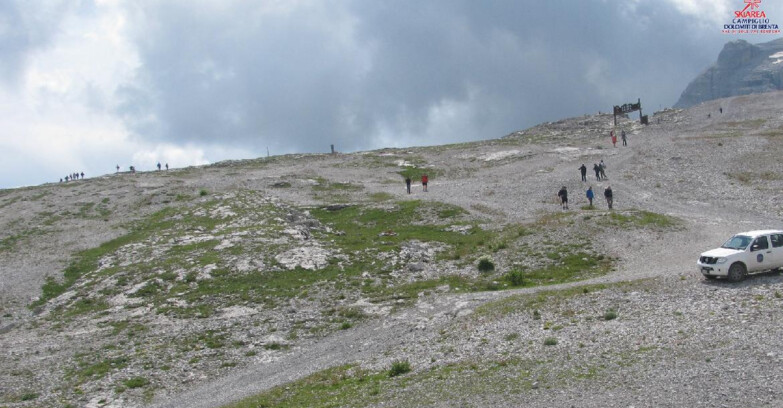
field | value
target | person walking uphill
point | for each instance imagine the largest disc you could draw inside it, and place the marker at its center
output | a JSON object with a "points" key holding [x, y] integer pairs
{"points": [[614, 138], [590, 195], [408, 184], [608, 196], [424, 181], [597, 171], [583, 170], [622, 136], [563, 195]]}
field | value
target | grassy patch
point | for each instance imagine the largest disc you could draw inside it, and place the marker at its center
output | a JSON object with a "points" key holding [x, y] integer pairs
{"points": [[351, 386], [90, 370], [386, 228], [87, 260], [568, 268], [326, 185], [380, 197], [399, 367], [136, 382]]}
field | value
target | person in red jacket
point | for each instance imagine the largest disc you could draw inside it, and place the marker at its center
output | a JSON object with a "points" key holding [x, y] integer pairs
{"points": [[424, 180]]}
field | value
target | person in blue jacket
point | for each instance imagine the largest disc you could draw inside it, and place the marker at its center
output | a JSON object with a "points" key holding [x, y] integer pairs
{"points": [[590, 195]]}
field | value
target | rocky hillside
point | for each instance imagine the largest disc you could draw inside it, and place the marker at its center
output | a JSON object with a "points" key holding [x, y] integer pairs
{"points": [[742, 69], [317, 280]]}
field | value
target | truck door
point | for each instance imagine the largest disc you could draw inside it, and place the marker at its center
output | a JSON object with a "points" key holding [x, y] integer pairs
{"points": [[761, 255], [776, 241]]}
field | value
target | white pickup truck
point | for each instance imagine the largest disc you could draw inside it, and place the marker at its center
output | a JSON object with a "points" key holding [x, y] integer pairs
{"points": [[744, 253]]}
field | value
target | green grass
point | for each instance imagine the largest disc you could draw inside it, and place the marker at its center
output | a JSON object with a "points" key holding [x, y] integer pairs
{"points": [[350, 386], [399, 367], [325, 185], [88, 370], [380, 197], [407, 220], [136, 382], [87, 260], [568, 268]]}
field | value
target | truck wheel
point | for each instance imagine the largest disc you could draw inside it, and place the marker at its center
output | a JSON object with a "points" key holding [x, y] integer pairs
{"points": [[737, 272]]}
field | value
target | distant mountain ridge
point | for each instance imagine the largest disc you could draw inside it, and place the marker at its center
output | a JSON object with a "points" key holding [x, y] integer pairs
{"points": [[742, 69]]}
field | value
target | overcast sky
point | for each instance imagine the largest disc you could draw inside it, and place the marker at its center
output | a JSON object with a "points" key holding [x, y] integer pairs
{"points": [[87, 85]]}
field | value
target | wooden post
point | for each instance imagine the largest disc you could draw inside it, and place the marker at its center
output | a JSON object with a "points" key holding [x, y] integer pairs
{"points": [[639, 101]]}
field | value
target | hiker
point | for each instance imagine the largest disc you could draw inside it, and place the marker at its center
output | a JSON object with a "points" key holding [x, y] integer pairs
{"points": [[608, 196], [622, 136], [602, 167], [597, 171], [167, 166], [118, 168], [583, 170], [424, 180], [614, 138], [563, 195], [82, 175], [721, 109], [408, 184], [590, 195], [158, 166]]}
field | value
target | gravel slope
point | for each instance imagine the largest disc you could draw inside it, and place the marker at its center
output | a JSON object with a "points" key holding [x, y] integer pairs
{"points": [[678, 340]]}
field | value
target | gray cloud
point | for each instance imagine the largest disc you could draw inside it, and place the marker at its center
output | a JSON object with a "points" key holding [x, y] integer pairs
{"points": [[359, 73], [26, 27]]}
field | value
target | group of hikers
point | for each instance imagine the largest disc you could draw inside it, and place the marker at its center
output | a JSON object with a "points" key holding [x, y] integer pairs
{"points": [[563, 196], [598, 168], [132, 169], [73, 176], [600, 174], [613, 136], [424, 181]]}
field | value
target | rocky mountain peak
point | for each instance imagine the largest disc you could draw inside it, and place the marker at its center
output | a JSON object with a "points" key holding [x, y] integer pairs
{"points": [[737, 53], [742, 68]]}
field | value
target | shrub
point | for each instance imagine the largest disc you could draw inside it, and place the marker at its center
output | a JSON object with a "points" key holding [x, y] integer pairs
{"points": [[136, 382], [399, 367], [550, 341], [515, 278], [485, 264], [203, 192], [610, 315], [273, 346], [29, 396]]}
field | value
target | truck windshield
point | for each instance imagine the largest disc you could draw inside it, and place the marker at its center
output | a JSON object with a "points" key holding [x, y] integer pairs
{"points": [[737, 242]]}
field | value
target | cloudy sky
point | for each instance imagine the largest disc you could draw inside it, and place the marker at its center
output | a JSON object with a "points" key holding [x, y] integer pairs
{"points": [[86, 85]]}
